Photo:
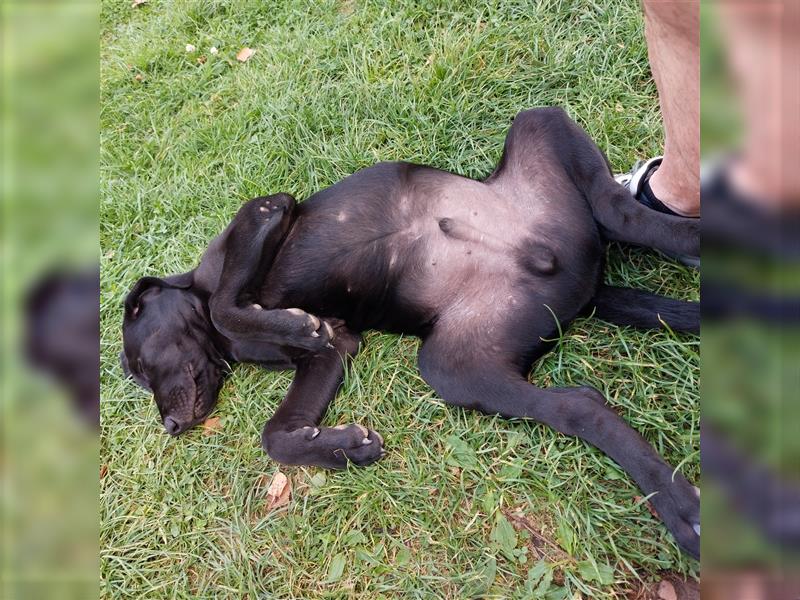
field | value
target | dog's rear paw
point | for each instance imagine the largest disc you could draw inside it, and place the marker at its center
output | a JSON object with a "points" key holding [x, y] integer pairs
{"points": [[678, 505], [331, 447], [276, 205]]}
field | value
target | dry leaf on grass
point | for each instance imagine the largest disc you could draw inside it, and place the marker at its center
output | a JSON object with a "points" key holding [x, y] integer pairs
{"points": [[139, 77], [136, 3], [280, 489], [244, 54], [103, 470], [650, 507], [201, 60], [666, 591], [212, 425]]}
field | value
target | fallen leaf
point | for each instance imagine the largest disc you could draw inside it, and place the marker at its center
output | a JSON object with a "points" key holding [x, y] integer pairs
{"points": [[280, 489], [212, 425], [650, 507], [103, 471], [201, 60], [136, 3], [244, 54], [666, 591], [139, 77]]}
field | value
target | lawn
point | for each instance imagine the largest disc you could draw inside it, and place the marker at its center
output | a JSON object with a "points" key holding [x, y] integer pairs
{"points": [[463, 505]]}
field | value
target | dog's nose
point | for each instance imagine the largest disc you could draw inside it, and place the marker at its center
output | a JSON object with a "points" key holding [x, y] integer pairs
{"points": [[173, 427]]}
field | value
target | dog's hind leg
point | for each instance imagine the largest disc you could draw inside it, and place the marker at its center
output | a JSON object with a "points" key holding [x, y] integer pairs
{"points": [[622, 218], [550, 132], [473, 376], [645, 310], [292, 435]]}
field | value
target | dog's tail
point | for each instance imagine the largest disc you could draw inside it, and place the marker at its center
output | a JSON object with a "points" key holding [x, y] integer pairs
{"points": [[645, 310]]}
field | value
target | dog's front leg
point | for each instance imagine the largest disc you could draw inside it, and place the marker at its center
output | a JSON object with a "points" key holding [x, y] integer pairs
{"points": [[292, 435], [247, 249]]}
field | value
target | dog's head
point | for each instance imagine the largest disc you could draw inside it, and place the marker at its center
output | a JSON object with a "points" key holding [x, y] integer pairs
{"points": [[169, 348]]}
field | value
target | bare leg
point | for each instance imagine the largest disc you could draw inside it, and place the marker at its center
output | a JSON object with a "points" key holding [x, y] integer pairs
{"points": [[672, 29], [762, 47]]}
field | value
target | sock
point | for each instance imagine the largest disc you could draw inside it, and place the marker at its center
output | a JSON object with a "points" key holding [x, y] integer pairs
{"points": [[649, 199]]}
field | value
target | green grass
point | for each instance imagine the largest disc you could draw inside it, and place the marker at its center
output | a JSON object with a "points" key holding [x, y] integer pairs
{"points": [[333, 87]]}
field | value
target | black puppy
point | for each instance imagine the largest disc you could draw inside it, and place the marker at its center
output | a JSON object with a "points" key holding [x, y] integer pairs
{"points": [[484, 272]]}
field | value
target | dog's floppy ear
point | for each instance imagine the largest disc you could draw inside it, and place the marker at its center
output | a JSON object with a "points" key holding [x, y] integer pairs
{"points": [[132, 305]]}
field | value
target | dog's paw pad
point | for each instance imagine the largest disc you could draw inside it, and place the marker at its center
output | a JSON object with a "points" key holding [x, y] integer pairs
{"points": [[354, 443], [312, 320], [311, 432]]}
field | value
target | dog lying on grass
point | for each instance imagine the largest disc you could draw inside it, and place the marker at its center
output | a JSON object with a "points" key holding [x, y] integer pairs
{"points": [[485, 272]]}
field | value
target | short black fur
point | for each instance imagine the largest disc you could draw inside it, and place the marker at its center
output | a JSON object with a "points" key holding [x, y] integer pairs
{"points": [[484, 272]]}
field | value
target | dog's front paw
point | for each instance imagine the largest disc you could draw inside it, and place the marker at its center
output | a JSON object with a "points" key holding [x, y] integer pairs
{"points": [[311, 333], [678, 505], [330, 447]]}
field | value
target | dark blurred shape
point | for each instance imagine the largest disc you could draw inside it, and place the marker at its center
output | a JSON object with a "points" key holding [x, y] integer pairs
{"points": [[734, 221], [751, 300], [754, 490], [62, 314], [49, 115]]}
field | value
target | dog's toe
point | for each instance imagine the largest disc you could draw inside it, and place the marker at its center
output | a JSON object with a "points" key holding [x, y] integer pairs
{"points": [[356, 444]]}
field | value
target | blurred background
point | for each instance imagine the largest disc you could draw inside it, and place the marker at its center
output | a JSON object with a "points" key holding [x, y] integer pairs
{"points": [[49, 449], [750, 358], [750, 113]]}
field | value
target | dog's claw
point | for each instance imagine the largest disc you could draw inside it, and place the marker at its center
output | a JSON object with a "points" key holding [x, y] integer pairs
{"points": [[333, 447], [314, 433], [314, 334], [696, 528]]}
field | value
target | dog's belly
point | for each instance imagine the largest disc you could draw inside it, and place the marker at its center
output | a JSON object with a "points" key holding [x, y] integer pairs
{"points": [[474, 245], [427, 244]]}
